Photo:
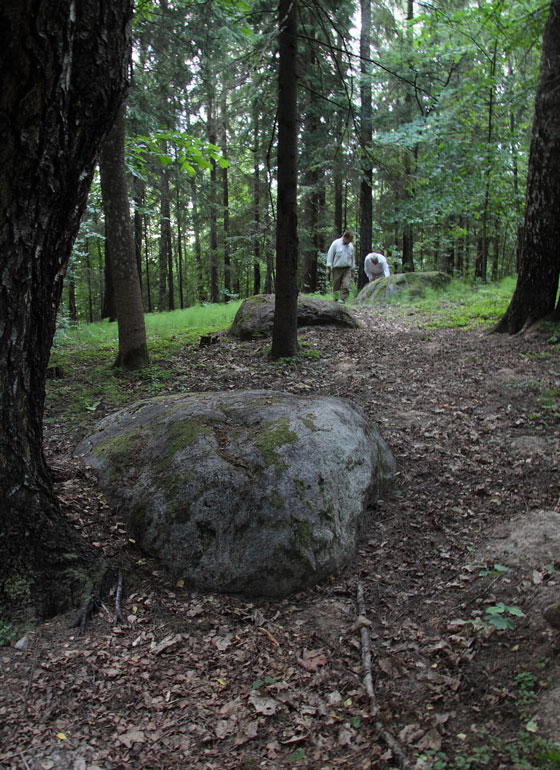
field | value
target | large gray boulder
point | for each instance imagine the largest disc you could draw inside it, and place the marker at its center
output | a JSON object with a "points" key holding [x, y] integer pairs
{"points": [[379, 291], [255, 317], [255, 492]]}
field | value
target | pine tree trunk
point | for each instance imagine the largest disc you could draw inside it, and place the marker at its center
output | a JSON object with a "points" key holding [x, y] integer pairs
{"points": [[366, 212], [133, 349], [284, 331]]}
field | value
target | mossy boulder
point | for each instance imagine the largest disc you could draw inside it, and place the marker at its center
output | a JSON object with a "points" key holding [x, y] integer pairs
{"points": [[260, 493], [255, 317], [378, 291]]}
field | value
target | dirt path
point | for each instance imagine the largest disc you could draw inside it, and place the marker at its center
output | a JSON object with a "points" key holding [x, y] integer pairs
{"points": [[217, 683]]}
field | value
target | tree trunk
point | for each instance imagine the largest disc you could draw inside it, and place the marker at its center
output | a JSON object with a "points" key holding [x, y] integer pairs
{"points": [[537, 283], [284, 331], [214, 281], [366, 211], [408, 232], [133, 349], [256, 202], [63, 78]]}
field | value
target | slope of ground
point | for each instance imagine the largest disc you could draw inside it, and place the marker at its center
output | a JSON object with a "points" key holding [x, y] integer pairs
{"points": [[217, 683]]}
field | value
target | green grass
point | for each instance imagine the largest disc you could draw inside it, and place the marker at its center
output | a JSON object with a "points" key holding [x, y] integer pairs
{"points": [[86, 353], [174, 326], [461, 305]]}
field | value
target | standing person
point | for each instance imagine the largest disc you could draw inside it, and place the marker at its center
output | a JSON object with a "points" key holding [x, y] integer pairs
{"points": [[340, 262], [374, 265]]}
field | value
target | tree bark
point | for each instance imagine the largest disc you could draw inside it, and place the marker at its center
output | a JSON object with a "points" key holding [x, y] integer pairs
{"points": [[366, 206], [133, 349], [63, 70], [284, 330], [537, 282]]}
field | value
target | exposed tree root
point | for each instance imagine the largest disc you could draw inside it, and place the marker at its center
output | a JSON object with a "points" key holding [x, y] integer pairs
{"points": [[111, 582]]}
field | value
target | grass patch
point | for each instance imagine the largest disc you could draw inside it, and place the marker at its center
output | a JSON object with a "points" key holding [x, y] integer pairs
{"points": [[462, 305], [86, 353]]}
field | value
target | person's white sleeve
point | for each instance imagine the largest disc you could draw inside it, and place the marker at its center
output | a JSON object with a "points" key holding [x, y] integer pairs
{"points": [[386, 271], [330, 254]]}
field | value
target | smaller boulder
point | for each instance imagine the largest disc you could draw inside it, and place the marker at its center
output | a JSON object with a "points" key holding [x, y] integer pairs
{"points": [[255, 317]]}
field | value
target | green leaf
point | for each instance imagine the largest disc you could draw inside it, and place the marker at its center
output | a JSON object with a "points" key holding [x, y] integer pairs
{"points": [[296, 756]]}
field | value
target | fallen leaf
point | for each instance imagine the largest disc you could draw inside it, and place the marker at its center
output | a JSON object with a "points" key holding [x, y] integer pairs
{"points": [[263, 705], [131, 737], [312, 659]]}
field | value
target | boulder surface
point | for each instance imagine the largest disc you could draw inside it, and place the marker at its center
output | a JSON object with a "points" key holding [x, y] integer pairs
{"points": [[260, 493], [378, 291], [255, 317]]}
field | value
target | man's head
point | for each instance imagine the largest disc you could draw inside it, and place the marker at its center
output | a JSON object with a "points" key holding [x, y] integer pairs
{"points": [[348, 236], [375, 260]]}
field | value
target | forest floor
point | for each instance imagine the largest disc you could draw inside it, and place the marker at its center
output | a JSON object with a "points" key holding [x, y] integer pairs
{"points": [[470, 524]]}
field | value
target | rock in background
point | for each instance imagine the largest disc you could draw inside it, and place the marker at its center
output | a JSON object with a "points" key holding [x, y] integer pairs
{"points": [[381, 289], [260, 493], [255, 317]]}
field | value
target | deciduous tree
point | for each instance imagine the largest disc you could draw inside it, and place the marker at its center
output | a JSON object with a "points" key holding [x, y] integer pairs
{"points": [[63, 67]]}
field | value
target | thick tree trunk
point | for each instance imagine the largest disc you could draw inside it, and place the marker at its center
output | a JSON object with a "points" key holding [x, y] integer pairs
{"points": [[133, 349], [537, 283], [284, 331], [63, 78]]}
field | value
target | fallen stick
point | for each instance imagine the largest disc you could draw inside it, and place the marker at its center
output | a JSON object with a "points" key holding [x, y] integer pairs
{"points": [[390, 740], [117, 617]]}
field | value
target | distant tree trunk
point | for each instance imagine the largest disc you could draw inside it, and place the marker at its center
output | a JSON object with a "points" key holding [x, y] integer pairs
{"points": [[366, 211], [284, 331], [138, 187], [165, 297], [537, 283], [256, 202], [225, 198], [214, 283], [72, 310], [133, 350], [109, 309], [179, 251], [63, 70], [197, 250], [147, 262], [481, 266]]}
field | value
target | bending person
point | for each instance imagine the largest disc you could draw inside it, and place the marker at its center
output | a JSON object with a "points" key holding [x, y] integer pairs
{"points": [[375, 265]]}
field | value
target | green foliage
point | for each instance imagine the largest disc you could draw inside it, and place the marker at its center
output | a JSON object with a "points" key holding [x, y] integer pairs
{"points": [[525, 682], [167, 146], [528, 752], [497, 570], [7, 633], [501, 616]]}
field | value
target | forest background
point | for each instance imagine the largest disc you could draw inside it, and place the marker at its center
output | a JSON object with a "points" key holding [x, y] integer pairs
{"points": [[414, 125]]}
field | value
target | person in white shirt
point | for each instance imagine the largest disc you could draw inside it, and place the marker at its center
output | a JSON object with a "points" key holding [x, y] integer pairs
{"points": [[375, 265], [340, 263]]}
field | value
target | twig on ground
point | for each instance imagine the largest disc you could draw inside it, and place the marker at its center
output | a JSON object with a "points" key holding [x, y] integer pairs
{"points": [[117, 617], [390, 740]]}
